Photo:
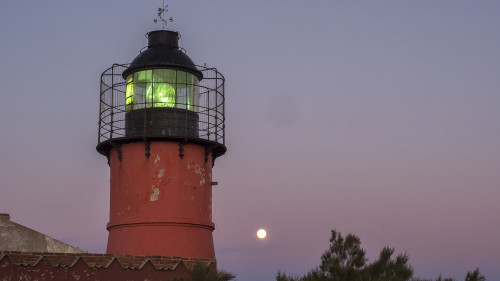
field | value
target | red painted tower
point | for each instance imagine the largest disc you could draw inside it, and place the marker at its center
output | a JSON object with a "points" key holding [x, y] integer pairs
{"points": [[161, 128]]}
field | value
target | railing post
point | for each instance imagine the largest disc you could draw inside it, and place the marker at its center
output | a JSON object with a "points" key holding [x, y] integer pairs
{"points": [[216, 104], [223, 111], [100, 111], [112, 99]]}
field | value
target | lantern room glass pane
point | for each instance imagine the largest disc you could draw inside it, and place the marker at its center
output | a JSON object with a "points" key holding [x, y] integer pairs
{"points": [[141, 88], [162, 88], [163, 94], [129, 96]]}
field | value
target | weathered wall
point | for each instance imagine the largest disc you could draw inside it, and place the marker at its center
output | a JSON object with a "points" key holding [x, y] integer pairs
{"points": [[161, 205], [91, 267], [15, 237]]}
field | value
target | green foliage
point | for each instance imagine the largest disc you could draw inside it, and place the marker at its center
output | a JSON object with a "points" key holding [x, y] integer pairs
{"points": [[471, 276], [225, 276], [345, 260], [386, 268], [313, 275], [475, 276], [440, 278], [201, 272], [283, 277]]}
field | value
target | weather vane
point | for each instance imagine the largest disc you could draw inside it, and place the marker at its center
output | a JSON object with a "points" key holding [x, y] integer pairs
{"points": [[161, 15]]}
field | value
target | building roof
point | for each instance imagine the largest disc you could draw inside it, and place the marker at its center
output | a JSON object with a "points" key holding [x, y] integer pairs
{"points": [[88, 266], [99, 260], [16, 237]]}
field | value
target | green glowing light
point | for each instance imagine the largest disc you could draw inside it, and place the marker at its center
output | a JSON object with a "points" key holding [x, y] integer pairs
{"points": [[163, 95], [161, 88], [129, 96]]}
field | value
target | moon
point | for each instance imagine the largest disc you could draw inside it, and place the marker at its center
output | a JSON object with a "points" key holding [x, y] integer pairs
{"points": [[261, 233]]}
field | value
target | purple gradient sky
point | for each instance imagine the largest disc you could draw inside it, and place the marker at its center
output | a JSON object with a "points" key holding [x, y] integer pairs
{"points": [[380, 118]]}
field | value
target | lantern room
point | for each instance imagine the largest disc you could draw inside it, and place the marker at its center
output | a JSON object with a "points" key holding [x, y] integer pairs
{"points": [[162, 88], [162, 75], [162, 94]]}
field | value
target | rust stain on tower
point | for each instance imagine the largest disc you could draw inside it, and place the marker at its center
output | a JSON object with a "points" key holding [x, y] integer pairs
{"points": [[161, 128]]}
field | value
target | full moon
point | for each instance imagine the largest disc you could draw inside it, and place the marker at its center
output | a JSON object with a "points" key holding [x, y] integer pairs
{"points": [[261, 233]]}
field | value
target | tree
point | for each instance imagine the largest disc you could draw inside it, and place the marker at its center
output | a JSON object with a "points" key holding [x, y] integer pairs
{"points": [[440, 278], [313, 275], [344, 258], [388, 269], [202, 272], [475, 276]]}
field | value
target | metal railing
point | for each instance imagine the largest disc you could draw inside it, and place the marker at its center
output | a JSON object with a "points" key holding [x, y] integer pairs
{"points": [[210, 108]]}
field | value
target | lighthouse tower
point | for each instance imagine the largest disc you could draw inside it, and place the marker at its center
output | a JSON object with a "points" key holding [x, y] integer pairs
{"points": [[161, 128]]}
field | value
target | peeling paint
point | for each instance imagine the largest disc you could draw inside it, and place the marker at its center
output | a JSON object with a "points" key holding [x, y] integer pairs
{"points": [[155, 194], [157, 158], [75, 276], [201, 172], [161, 173]]}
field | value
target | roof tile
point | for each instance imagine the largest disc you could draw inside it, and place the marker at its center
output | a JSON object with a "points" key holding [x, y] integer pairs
{"points": [[92, 260]]}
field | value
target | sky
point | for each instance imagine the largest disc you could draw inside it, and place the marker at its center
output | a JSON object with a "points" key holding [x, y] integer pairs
{"points": [[378, 118]]}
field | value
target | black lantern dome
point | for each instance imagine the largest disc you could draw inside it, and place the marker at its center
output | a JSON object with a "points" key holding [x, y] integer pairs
{"points": [[162, 94], [163, 52], [162, 90]]}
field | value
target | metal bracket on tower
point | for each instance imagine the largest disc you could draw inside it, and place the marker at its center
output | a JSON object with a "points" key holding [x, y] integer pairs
{"points": [[208, 150], [181, 149], [118, 148], [147, 148]]}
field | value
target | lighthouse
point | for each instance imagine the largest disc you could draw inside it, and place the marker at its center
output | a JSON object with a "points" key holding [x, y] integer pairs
{"points": [[161, 127]]}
